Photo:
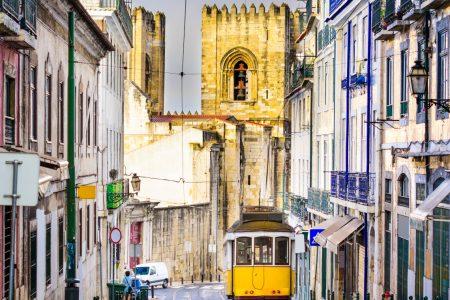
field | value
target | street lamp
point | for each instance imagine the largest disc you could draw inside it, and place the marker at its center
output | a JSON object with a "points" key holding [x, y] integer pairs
{"points": [[418, 78], [136, 183]]}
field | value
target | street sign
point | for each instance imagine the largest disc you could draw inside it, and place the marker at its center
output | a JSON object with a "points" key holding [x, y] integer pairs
{"points": [[115, 235], [27, 178], [300, 243], [313, 232], [87, 192]]}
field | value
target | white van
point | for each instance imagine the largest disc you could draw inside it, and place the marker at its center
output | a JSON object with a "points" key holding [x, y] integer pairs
{"points": [[153, 274]]}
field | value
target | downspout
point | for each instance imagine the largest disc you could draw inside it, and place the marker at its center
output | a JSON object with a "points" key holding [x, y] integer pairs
{"points": [[427, 127], [347, 125], [333, 145], [368, 118]]}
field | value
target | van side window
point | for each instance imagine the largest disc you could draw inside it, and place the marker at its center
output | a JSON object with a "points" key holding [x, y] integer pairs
{"points": [[152, 270]]}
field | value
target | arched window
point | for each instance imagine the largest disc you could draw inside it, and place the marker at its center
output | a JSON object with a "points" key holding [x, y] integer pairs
{"points": [[240, 81], [148, 71], [403, 190]]}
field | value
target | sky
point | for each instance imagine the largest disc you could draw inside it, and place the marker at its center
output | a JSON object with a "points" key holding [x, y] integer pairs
{"points": [[174, 11]]}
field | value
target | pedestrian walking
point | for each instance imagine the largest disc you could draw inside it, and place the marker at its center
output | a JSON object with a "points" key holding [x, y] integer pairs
{"points": [[127, 281]]}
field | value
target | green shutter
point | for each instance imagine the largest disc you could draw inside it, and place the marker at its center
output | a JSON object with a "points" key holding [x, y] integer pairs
{"points": [[402, 268], [441, 255], [420, 263]]}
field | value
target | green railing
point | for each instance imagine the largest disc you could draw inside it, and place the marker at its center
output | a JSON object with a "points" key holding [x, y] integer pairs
{"points": [[309, 6], [405, 6], [320, 200], [377, 16], [325, 37], [29, 16], [298, 207], [390, 14], [11, 7], [114, 195]]}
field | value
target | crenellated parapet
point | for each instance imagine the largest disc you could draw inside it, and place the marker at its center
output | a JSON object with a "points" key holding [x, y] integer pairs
{"points": [[244, 11]]}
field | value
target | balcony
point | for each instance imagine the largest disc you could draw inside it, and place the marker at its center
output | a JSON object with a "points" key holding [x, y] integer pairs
{"points": [[319, 200], [409, 11], [18, 31], [114, 194], [378, 22], [325, 37], [433, 4], [302, 71], [356, 187], [121, 9], [298, 207]]}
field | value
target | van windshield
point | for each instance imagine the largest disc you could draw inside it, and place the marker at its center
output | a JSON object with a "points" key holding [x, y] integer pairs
{"points": [[142, 270]]}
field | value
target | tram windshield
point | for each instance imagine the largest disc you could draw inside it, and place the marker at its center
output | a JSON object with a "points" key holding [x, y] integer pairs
{"points": [[281, 251], [244, 251], [263, 250]]}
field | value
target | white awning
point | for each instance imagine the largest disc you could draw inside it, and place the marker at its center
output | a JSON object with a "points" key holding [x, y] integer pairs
{"points": [[424, 210], [44, 183], [336, 224], [342, 234]]}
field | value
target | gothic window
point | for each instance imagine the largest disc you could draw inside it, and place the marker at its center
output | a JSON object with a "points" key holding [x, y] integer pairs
{"points": [[403, 190], [240, 81], [147, 73]]}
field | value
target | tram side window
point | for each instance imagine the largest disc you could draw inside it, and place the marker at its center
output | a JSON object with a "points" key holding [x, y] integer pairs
{"points": [[281, 251], [244, 251], [263, 250]]}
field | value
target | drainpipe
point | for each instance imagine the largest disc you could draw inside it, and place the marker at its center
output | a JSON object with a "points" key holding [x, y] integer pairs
{"points": [[347, 128], [334, 143], [368, 118], [427, 126]]}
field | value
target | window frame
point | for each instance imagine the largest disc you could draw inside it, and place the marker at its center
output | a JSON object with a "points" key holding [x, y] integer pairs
{"points": [[61, 135], [48, 254], [404, 192], [48, 106], [255, 263], [236, 251], [404, 95], [442, 57], [61, 242], [276, 251], [33, 104], [389, 87]]}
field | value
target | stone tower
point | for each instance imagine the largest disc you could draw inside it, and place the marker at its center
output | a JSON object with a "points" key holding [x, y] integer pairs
{"points": [[146, 64], [244, 55]]}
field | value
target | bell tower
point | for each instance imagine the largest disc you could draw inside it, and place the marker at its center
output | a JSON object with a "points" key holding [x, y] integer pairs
{"points": [[244, 56]]}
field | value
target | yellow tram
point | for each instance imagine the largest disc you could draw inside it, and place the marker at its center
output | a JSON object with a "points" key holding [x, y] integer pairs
{"points": [[258, 256]]}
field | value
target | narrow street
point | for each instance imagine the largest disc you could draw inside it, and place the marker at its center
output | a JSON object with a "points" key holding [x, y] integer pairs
{"points": [[200, 291]]}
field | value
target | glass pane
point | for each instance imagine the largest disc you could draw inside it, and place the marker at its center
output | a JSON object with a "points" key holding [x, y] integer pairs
{"points": [[244, 251], [281, 251], [263, 250], [142, 270]]}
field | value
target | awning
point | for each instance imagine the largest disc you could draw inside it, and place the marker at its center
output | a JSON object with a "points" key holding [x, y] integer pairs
{"points": [[44, 183], [417, 149], [424, 210], [342, 234], [335, 225]]}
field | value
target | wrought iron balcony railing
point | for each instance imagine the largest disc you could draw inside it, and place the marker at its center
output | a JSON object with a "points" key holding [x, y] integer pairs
{"points": [[301, 72], [391, 13], [377, 16], [29, 16], [405, 6], [11, 8], [355, 187], [325, 37], [320, 200], [298, 206]]}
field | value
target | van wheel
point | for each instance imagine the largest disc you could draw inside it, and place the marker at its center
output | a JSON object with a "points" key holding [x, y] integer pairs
{"points": [[165, 284]]}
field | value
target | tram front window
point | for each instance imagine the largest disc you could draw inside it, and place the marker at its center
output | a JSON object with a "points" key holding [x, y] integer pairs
{"points": [[244, 251], [263, 250], [281, 251]]}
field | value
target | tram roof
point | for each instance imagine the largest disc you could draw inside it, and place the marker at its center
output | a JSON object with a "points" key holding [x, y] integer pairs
{"points": [[253, 226]]}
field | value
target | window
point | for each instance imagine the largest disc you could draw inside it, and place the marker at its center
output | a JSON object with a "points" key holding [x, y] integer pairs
{"points": [[420, 192], [60, 245], [80, 231], [48, 108], [147, 73], [7, 215], [244, 251], [95, 223], [387, 250], [388, 190], [80, 117], [403, 190], [263, 250], [89, 121], [61, 112], [402, 268], [363, 129], [354, 145], [33, 264], [441, 257], [443, 70], [354, 48], [88, 228], [325, 164], [420, 263], [389, 86], [48, 254], [344, 55], [325, 81], [281, 251], [364, 41], [10, 110], [403, 83], [95, 122], [240, 81], [33, 104]]}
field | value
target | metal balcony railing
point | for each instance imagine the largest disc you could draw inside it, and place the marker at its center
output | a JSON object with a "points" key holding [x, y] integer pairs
{"points": [[377, 16], [11, 8], [298, 206], [391, 13], [325, 37], [9, 131], [355, 187], [301, 72], [320, 200], [403, 201], [405, 6], [29, 16]]}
